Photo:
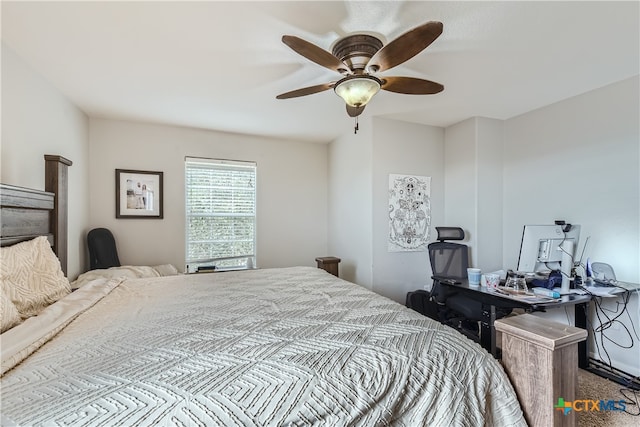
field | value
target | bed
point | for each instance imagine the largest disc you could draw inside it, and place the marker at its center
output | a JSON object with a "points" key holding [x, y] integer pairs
{"points": [[284, 346]]}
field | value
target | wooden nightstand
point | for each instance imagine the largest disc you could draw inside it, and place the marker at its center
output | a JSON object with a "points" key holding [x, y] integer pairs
{"points": [[329, 264]]}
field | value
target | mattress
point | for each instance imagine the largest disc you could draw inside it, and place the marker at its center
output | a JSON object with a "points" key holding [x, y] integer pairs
{"points": [[274, 347]]}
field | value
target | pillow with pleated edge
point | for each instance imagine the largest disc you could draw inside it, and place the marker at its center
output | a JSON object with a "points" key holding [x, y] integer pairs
{"points": [[31, 276], [9, 315]]}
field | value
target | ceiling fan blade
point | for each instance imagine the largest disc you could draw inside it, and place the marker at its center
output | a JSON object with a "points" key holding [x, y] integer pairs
{"points": [[355, 111], [411, 85], [405, 47], [316, 54], [305, 91]]}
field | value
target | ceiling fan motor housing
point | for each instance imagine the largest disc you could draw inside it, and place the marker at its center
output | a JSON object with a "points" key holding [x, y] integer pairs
{"points": [[356, 50]]}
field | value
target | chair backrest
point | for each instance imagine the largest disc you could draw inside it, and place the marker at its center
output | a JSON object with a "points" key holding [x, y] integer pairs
{"points": [[102, 249], [449, 260]]}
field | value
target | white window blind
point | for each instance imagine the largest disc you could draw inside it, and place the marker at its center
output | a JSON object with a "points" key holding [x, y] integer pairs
{"points": [[220, 214]]}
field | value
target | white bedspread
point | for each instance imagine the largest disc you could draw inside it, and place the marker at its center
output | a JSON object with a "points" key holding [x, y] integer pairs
{"points": [[274, 347]]}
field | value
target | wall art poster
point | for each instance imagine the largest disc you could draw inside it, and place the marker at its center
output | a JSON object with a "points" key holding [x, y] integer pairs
{"points": [[409, 212]]}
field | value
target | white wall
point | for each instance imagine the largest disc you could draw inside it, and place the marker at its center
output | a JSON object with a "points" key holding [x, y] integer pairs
{"points": [[460, 183], [490, 201], [405, 149], [578, 160], [359, 168], [350, 203], [38, 120], [473, 187], [292, 190]]}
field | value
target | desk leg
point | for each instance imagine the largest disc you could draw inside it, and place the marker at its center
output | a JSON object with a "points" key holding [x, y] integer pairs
{"points": [[492, 328], [580, 314], [487, 329]]}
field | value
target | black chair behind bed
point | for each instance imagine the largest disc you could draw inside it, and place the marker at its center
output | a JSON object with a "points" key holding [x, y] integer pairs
{"points": [[102, 249]]}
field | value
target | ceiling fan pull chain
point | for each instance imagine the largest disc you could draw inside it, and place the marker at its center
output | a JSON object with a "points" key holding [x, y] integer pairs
{"points": [[355, 128]]}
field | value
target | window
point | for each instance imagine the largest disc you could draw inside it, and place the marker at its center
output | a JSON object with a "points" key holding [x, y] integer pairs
{"points": [[220, 214]]}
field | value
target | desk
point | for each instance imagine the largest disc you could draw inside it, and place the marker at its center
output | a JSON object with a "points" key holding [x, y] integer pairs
{"points": [[491, 299]]}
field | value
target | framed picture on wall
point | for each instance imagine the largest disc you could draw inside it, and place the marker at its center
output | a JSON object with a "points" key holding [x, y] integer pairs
{"points": [[138, 194]]}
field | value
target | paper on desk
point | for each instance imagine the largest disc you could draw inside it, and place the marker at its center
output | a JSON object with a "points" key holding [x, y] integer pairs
{"points": [[604, 291], [530, 298], [536, 299]]}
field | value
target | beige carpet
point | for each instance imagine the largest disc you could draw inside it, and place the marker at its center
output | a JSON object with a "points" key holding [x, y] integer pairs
{"points": [[593, 387]]}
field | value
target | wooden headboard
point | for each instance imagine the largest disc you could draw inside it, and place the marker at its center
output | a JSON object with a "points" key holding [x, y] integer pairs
{"points": [[27, 213]]}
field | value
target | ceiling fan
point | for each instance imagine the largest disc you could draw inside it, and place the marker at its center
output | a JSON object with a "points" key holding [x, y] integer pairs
{"points": [[359, 56]]}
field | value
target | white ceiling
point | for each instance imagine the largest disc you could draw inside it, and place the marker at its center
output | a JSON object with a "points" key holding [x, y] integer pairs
{"points": [[219, 65]]}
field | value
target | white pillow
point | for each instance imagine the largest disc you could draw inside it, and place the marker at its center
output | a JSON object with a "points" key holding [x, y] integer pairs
{"points": [[9, 316], [166, 270], [31, 276]]}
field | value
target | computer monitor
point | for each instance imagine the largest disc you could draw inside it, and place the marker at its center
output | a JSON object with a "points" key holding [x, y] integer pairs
{"points": [[549, 247]]}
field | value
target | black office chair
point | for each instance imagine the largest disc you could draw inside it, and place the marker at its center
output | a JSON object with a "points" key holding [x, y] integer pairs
{"points": [[449, 261], [102, 249]]}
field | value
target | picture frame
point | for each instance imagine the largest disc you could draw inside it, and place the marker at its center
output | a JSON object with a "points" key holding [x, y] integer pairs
{"points": [[139, 194]]}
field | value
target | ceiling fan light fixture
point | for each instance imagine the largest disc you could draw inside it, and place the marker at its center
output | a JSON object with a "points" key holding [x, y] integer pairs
{"points": [[357, 90]]}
